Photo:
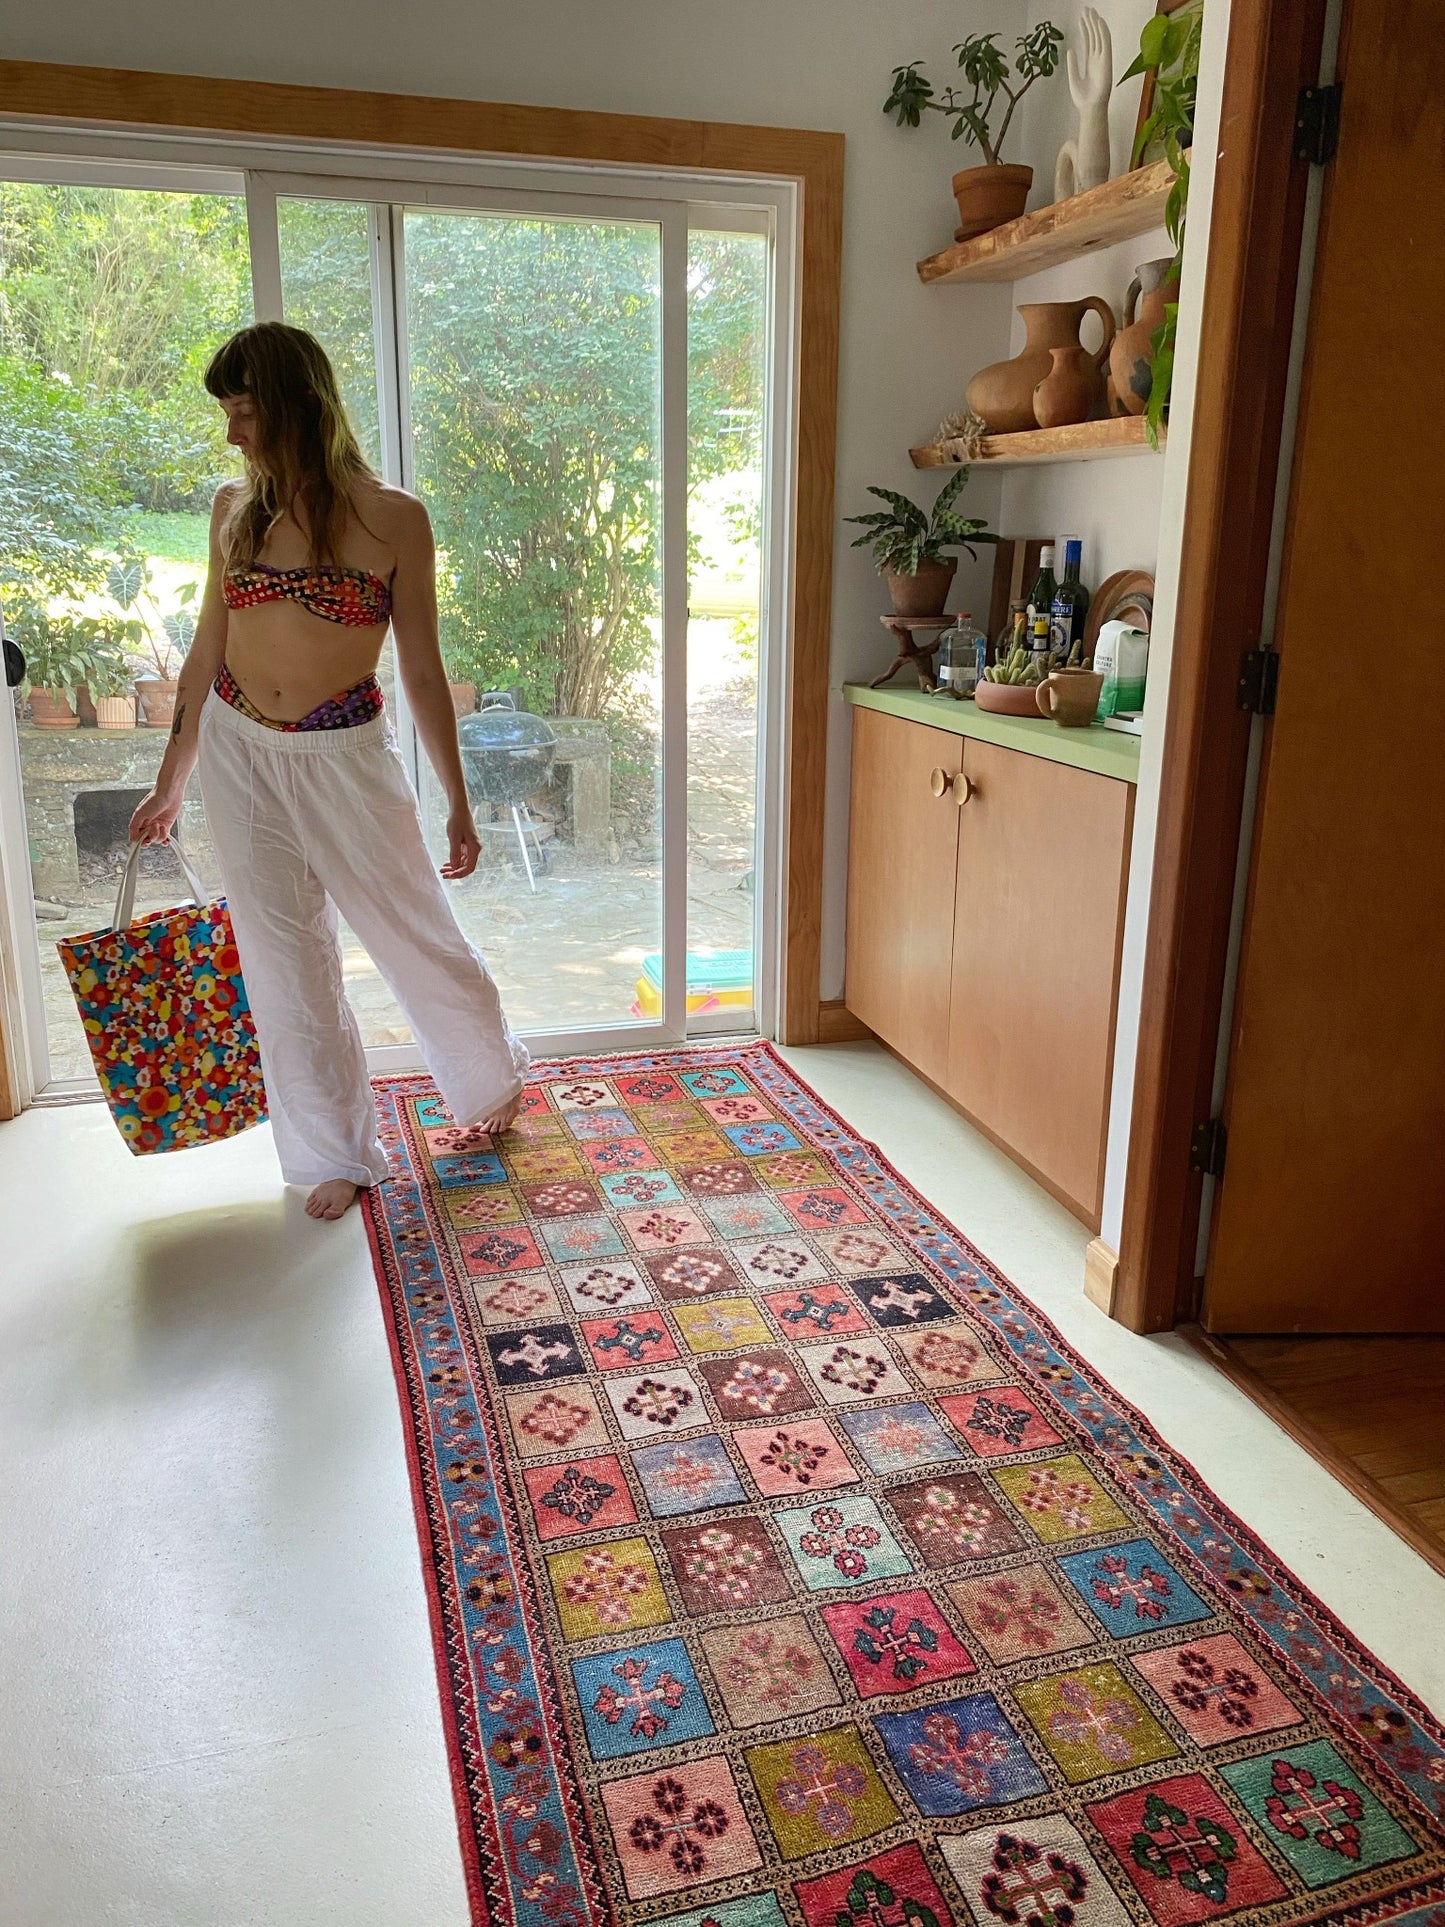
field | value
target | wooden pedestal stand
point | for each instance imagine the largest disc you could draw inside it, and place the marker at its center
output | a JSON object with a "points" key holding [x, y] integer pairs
{"points": [[920, 654]]}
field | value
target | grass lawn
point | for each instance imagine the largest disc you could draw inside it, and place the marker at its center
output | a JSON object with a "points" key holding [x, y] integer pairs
{"points": [[168, 538]]}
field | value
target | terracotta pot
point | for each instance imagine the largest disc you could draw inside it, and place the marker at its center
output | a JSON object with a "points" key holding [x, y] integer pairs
{"points": [[115, 712], [1131, 359], [1071, 391], [85, 707], [157, 703], [51, 709], [464, 697], [1070, 696], [989, 196], [1003, 393], [924, 593], [1008, 698]]}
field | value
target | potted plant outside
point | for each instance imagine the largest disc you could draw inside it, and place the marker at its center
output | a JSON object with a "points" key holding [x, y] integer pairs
{"points": [[908, 545], [987, 196], [128, 585], [111, 681], [58, 652]]}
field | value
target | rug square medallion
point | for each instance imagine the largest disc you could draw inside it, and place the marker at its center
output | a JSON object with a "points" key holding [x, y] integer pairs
{"points": [[787, 1569]]}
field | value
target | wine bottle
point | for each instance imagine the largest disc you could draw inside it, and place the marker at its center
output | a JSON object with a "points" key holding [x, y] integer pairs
{"points": [[1070, 607], [1041, 604]]}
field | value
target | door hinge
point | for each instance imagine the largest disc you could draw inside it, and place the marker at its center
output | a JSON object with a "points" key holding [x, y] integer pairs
{"points": [[1258, 681], [1208, 1146], [1317, 124]]}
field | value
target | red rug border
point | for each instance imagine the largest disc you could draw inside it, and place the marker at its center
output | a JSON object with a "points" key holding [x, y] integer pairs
{"points": [[465, 1808]]}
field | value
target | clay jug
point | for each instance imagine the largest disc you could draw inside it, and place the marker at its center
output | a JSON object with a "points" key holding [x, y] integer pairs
{"points": [[1071, 391], [1003, 394], [1131, 359]]}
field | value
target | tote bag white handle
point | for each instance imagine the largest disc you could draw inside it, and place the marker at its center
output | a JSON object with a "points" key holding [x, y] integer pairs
{"points": [[125, 902]]}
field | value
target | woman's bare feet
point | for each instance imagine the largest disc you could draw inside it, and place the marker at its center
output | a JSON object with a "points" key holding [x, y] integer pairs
{"points": [[503, 1118], [333, 1199]]}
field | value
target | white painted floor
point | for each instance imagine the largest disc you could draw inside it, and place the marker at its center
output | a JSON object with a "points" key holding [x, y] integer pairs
{"points": [[217, 1701]]}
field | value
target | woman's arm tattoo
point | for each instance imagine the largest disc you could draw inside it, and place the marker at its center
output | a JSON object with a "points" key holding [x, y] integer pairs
{"points": [[176, 725]]}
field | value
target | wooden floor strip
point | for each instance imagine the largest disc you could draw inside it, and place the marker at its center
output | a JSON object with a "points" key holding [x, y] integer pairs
{"points": [[1321, 1404]]}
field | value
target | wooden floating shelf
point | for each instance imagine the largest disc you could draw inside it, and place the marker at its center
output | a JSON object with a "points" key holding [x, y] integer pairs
{"points": [[1081, 442], [1117, 211]]}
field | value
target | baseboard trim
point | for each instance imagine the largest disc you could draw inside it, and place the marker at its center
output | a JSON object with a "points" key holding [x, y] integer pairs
{"points": [[1101, 1275], [1226, 1360], [838, 1025]]}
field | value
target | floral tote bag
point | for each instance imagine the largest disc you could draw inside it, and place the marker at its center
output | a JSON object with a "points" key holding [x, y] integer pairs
{"points": [[167, 1019]]}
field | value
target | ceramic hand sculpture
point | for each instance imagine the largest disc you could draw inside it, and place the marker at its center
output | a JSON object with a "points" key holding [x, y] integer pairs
{"points": [[1084, 163]]}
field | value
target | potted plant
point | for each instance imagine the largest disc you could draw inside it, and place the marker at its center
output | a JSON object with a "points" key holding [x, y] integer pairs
{"points": [[58, 653], [111, 681], [908, 545], [128, 585], [987, 196], [1169, 50]]}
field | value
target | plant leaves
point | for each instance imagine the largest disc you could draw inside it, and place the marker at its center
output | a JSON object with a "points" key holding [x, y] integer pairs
{"points": [[124, 582]]}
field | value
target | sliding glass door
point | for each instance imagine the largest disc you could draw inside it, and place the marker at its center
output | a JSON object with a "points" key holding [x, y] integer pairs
{"points": [[578, 387]]}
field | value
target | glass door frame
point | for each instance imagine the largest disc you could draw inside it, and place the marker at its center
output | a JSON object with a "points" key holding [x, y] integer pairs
{"points": [[387, 181]]}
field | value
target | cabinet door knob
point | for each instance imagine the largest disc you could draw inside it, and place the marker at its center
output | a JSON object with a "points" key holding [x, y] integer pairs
{"points": [[962, 789], [938, 782]]}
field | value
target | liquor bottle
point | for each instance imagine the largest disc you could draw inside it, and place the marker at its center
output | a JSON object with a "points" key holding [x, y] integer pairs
{"points": [[957, 663], [1070, 607], [1041, 604], [1041, 595]]}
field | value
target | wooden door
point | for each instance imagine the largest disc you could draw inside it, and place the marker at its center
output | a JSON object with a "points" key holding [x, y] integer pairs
{"points": [[1038, 916], [902, 845], [1331, 1212]]}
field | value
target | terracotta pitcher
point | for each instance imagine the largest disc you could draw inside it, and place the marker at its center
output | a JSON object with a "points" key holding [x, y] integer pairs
{"points": [[1131, 359], [1003, 394], [1072, 391]]}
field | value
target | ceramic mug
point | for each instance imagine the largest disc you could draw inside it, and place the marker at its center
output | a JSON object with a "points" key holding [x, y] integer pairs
{"points": [[1070, 696]]}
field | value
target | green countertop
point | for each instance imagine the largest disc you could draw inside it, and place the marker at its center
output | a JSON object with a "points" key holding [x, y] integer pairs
{"points": [[1108, 752]]}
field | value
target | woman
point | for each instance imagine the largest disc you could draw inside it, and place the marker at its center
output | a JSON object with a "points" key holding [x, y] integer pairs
{"points": [[312, 556]]}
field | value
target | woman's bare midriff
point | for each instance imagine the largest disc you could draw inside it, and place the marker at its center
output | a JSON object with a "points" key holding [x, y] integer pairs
{"points": [[288, 660]]}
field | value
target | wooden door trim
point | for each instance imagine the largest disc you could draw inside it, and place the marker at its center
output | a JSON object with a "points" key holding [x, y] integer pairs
{"points": [[1253, 264], [810, 157]]}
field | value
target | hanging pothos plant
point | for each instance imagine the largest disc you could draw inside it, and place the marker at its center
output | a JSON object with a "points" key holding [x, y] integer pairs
{"points": [[1169, 49]]}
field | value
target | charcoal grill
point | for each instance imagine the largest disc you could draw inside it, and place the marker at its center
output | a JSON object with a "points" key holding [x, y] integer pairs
{"points": [[507, 756]]}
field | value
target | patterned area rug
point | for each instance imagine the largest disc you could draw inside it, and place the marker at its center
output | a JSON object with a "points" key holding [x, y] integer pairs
{"points": [[786, 1565]]}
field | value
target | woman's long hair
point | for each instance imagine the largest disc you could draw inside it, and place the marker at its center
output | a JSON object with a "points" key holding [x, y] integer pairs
{"points": [[308, 456]]}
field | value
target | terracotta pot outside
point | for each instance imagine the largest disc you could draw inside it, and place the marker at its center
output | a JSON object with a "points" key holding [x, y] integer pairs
{"points": [[924, 593], [1071, 391], [85, 707], [989, 196], [1008, 698], [1003, 393], [51, 709], [115, 712], [157, 703], [464, 697]]}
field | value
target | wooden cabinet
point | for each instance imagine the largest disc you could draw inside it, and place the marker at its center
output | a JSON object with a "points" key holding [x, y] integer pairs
{"points": [[902, 858], [984, 925], [1038, 915]]}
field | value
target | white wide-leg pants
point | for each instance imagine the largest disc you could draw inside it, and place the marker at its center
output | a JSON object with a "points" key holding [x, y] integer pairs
{"points": [[307, 823]]}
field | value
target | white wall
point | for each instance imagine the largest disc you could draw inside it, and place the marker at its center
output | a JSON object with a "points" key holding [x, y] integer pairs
{"points": [[906, 353]]}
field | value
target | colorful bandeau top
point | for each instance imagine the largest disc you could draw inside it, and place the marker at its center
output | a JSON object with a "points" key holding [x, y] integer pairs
{"points": [[355, 597]]}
